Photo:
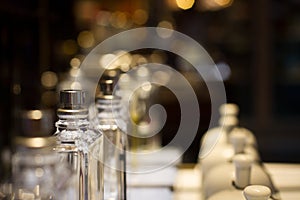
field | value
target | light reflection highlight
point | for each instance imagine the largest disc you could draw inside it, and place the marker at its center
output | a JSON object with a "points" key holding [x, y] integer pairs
{"points": [[86, 39], [49, 79], [75, 62], [140, 17], [185, 4], [167, 32]]}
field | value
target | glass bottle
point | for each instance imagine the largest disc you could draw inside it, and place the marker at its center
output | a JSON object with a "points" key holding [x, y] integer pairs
{"points": [[37, 173], [80, 145], [113, 128]]}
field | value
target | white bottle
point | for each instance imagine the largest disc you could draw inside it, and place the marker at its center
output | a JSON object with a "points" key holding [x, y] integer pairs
{"points": [[219, 136], [80, 145], [231, 109], [220, 154], [252, 192], [237, 175]]}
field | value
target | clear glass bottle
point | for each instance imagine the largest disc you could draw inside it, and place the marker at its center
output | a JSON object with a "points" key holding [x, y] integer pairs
{"points": [[80, 145], [114, 128], [37, 173]]}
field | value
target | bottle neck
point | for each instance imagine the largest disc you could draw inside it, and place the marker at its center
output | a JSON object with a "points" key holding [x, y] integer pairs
{"points": [[108, 108], [109, 113], [72, 123]]}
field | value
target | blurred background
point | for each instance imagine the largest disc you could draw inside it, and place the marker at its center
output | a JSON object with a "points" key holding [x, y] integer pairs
{"points": [[256, 45]]}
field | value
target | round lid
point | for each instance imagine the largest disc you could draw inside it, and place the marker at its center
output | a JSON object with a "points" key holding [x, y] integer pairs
{"points": [[72, 104], [229, 109], [72, 99], [107, 89], [257, 192]]}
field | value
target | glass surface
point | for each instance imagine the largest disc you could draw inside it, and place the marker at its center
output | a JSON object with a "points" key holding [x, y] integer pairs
{"points": [[114, 149], [39, 174], [81, 147]]}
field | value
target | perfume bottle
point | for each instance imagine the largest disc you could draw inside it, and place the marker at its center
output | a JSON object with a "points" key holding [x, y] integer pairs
{"points": [[218, 137], [114, 141], [236, 175], [80, 145], [36, 170]]}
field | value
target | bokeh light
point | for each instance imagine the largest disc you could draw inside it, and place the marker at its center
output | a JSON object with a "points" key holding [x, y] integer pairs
{"points": [[16, 89], [140, 17], [214, 4], [185, 4], [164, 33], [75, 62], [49, 79], [35, 114], [86, 39]]}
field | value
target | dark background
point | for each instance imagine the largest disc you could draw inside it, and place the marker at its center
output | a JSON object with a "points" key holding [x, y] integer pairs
{"points": [[259, 40]]}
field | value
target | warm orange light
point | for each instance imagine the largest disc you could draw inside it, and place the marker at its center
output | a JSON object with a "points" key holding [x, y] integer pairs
{"points": [[49, 79], [223, 3], [215, 4], [35, 114], [75, 62], [185, 4], [119, 19], [140, 17], [85, 39], [165, 33]]}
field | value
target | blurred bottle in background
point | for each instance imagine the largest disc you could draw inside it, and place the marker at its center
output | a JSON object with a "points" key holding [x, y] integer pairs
{"points": [[114, 129]]}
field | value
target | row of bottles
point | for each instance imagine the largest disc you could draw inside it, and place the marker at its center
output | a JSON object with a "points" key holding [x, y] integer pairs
{"points": [[230, 161], [83, 160]]}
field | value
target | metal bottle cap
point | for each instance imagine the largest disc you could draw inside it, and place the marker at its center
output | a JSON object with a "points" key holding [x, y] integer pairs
{"points": [[229, 109], [107, 87], [72, 99], [72, 104]]}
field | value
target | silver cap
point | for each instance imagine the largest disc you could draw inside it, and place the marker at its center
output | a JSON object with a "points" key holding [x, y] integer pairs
{"points": [[72, 99]]}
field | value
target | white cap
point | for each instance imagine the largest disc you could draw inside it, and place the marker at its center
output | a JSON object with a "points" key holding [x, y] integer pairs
{"points": [[229, 109], [257, 192], [242, 164]]}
